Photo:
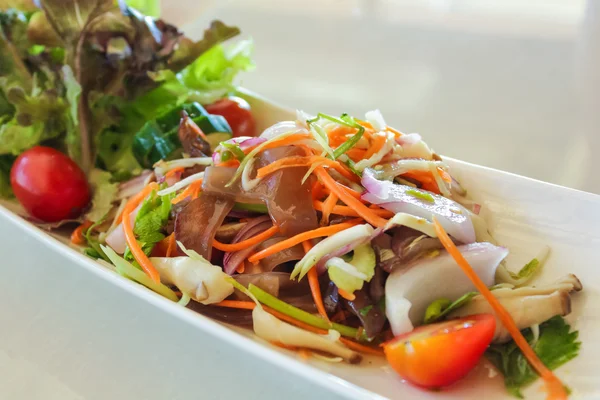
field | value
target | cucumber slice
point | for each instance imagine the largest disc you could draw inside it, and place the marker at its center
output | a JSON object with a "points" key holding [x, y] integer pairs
{"points": [[217, 137]]}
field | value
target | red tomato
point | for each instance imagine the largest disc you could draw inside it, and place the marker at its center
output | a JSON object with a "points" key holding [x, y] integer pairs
{"points": [[237, 113], [49, 184], [438, 355]]}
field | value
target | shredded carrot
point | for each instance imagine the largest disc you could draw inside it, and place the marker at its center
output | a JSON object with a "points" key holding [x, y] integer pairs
{"points": [[317, 190], [230, 163], [376, 145], [350, 191], [284, 346], [554, 386], [395, 132], [172, 245], [241, 268], [246, 243], [174, 171], [365, 124], [287, 140], [359, 207], [191, 191], [362, 348], [185, 193], [196, 187], [356, 154], [77, 236], [327, 208], [307, 161], [346, 295], [350, 212], [426, 179], [315, 288], [245, 305], [134, 246], [294, 240]]}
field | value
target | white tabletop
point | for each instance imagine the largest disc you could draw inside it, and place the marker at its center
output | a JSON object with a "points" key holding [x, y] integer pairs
{"points": [[508, 84]]}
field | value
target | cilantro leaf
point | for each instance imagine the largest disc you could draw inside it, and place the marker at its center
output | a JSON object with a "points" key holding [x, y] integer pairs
{"points": [[150, 222], [556, 345]]}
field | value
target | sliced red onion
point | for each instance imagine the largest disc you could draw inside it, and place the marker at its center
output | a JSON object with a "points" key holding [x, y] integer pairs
{"points": [[197, 223], [232, 260], [116, 238], [405, 165], [133, 186], [397, 198], [408, 291]]}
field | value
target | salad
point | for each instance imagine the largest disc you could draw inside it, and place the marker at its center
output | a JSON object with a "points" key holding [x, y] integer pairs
{"points": [[335, 237]]}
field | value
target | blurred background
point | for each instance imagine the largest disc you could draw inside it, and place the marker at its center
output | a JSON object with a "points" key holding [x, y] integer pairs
{"points": [[507, 84]]}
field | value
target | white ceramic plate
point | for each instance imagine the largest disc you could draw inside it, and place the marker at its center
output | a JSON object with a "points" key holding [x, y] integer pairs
{"points": [[523, 214]]}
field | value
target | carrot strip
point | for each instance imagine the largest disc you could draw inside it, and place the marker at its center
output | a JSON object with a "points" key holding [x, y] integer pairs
{"points": [[285, 346], [174, 171], [327, 208], [313, 282], [350, 212], [244, 305], [317, 190], [294, 240], [246, 243], [304, 353], [134, 246], [356, 154], [359, 207], [191, 191], [554, 386], [172, 245], [77, 235], [230, 163], [346, 295], [350, 191], [287, 140], [395, 132], [359, 347], [376, 145]]}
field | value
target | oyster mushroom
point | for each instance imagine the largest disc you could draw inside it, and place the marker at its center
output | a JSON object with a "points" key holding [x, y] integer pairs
{"points": [[527, 305], [410, 290], [199, 279]]}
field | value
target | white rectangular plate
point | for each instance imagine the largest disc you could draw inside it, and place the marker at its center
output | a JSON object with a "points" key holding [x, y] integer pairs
{"points": [[523, 214]]}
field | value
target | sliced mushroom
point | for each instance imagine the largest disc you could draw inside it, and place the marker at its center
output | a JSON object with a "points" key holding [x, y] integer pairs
{"points": [[408, 291], [202, 281], [527, 305], [270, 328]]}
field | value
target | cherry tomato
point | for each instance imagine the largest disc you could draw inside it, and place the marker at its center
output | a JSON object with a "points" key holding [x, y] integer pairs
{"points": [[49, 184], [438, 355], [237, 113]]}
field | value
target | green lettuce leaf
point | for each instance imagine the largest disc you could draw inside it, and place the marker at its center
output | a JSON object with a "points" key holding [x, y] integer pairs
{"points": [[104, 194], [556, 345]]}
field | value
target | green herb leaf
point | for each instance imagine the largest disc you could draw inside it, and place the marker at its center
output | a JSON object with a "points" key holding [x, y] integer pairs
{"points": [[442, 307], [556, 345]]}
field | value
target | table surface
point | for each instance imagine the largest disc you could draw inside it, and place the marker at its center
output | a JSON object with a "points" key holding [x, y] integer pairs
{"points": [[507, 84]]}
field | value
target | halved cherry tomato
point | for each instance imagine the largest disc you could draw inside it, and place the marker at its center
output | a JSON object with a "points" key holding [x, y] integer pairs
{"points": [[237, 113], [49, 185], [438, 355]]}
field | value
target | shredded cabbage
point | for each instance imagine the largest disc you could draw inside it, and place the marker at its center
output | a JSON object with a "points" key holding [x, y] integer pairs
{"points": [[162, 167], [351, 276], [181, 184]]}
